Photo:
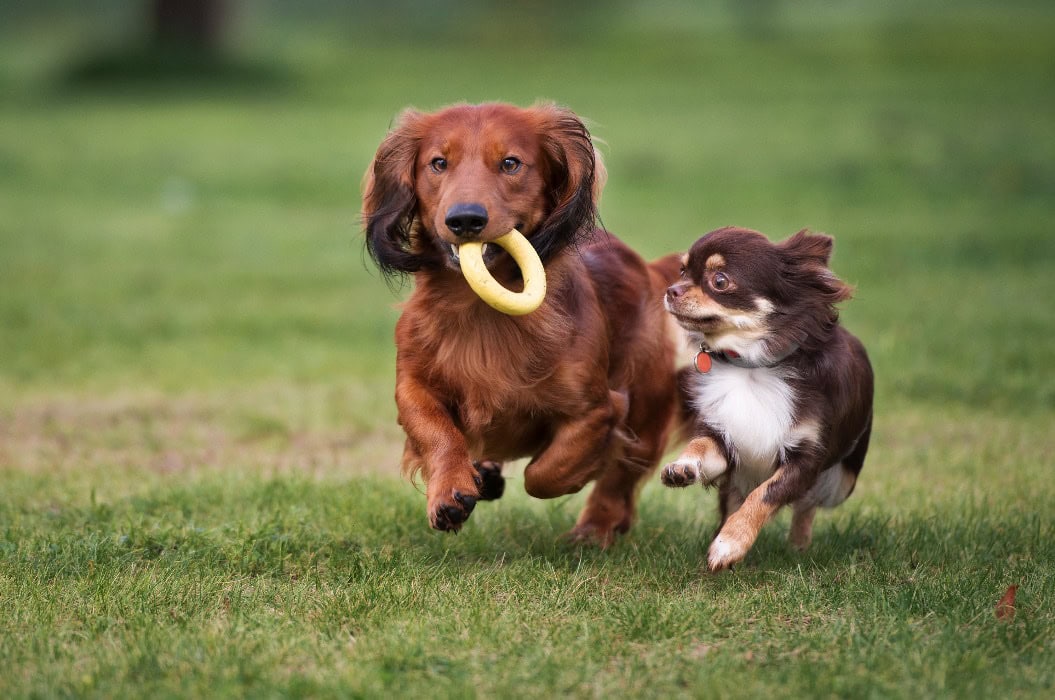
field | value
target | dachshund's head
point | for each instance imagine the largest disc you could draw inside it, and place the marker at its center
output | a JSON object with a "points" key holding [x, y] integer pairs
{"points": [[472, 173]]}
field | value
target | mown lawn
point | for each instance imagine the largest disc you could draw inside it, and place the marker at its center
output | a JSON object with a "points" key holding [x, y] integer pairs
{"points": [[197, 437]]}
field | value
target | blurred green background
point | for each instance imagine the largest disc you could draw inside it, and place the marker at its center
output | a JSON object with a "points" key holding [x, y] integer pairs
{"points": [[180, 218], [189, 220]]}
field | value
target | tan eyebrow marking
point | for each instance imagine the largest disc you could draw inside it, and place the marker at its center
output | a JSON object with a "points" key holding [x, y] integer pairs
{"points": [[715, 261], [685, 260]]}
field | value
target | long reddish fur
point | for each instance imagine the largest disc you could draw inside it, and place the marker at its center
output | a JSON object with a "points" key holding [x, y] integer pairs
{"points": [[585, 385]]}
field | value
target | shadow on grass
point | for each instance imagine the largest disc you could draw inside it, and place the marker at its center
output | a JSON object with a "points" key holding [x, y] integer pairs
{"points": [[358, 530]]}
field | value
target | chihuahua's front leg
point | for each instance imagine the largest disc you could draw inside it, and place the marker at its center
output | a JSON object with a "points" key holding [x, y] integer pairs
{"points": [[793, 478], [702, 461]]}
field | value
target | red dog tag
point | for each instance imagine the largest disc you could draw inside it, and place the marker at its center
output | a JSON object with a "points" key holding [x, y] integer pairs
{"points": [[702, 362]]}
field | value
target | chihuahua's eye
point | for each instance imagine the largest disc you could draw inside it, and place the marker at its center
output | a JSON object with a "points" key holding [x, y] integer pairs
{"points": [[720, 282], [511, 165], [681, 272], [438, 164]]}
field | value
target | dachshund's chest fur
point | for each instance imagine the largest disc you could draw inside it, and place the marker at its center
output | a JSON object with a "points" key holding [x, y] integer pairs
{"points": [[506, 380], [753, 409]]}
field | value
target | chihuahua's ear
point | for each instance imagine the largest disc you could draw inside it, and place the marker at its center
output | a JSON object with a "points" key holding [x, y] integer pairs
{"points": [[806, 257], [809, 246]]}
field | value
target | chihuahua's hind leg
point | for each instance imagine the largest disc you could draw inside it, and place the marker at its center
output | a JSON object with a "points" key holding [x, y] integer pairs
{"points": [[801, 533]]}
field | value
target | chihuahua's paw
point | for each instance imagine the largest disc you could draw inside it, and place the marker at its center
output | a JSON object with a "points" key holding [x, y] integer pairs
{"points": [[702, 461], [489, 480], [725, 551], [682, 472]]}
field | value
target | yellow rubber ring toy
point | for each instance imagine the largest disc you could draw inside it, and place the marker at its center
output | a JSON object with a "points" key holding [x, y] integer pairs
{"points": [[471, 257]]}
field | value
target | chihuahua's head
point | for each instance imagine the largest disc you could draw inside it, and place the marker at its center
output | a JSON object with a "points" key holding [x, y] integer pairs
{"points": [[740, 293]]}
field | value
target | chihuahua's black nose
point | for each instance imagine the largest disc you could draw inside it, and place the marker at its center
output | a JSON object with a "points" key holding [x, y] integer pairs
{"points": [[465, 220], [676, 290]]}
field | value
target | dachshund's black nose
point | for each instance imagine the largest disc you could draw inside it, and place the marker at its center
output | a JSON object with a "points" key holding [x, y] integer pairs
{"points": [[466, 220]]}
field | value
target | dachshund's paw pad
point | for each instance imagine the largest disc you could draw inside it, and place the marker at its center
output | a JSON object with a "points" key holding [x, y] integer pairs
{"points": [[683, 472], [489, 480], [450, 516]]}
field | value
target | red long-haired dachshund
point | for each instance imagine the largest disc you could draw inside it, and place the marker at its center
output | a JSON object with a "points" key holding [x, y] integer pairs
{"points": [[585, 385]]}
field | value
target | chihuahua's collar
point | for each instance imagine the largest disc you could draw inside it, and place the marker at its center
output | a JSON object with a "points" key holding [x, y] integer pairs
{"points": [[705, 357]]}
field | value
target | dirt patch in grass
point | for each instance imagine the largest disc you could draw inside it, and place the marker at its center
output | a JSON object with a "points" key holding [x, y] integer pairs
{"points": [[272, 429]]}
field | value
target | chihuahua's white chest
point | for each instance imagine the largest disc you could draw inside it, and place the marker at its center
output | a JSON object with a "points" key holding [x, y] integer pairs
{"points": [[754, 410]]}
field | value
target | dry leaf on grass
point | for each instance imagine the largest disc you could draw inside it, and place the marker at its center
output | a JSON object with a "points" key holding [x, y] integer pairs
{"points": [[1005, 607]]}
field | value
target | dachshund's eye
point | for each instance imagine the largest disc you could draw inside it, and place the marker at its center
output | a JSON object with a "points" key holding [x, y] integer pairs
{"points": [[681, 272], [511, 165], [438, 164], [720, 282]]}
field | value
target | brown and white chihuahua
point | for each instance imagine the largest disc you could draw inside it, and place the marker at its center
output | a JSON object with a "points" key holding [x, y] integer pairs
{"points": [[781, 394]]}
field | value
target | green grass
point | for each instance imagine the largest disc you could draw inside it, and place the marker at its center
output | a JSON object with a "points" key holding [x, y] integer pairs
{"points": [[197, 434], [221, 583]]}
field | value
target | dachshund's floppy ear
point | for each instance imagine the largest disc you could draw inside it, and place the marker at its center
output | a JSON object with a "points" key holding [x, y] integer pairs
{"points": [[574, 178], [389, 201]]}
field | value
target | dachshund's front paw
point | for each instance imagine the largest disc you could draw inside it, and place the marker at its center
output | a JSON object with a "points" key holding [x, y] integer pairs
{"points": [[448, 514], [489, 480]]}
